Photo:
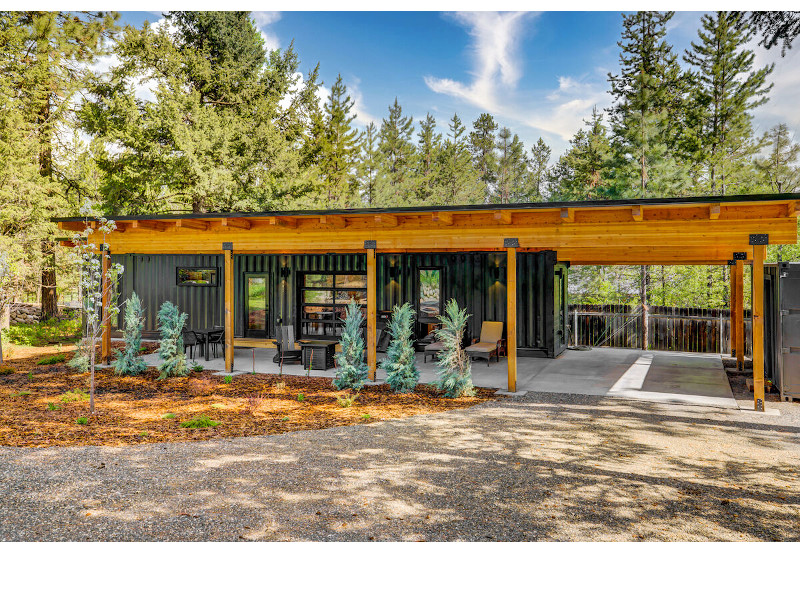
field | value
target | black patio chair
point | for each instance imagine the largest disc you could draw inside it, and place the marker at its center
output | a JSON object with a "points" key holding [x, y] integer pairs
{"points": [[216, 340], [285, 344], [189, 342]]}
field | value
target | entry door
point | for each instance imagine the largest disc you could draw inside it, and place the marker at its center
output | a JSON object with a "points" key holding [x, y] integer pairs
{"points": [[256, 306], [790, 330]]}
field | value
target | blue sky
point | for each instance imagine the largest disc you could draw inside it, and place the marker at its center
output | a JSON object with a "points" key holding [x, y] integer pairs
{"points": [[540, 74]]}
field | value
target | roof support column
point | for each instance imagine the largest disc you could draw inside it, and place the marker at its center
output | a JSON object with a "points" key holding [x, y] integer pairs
{"points": [[511, 245], [759, 243], [372, 313], [105, 338], [227, 251], [739, 332], [732, 307]]}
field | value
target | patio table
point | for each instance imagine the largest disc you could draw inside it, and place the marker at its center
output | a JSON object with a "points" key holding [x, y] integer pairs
{"points": [[202, 338]]}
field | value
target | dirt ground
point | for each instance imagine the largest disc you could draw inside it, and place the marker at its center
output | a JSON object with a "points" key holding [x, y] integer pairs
{"points": [[38, 410]]}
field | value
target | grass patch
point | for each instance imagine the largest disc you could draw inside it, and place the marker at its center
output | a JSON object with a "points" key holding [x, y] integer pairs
{"points": [[82, 421], [200, 422], [21, 393], [347, 401], [30, 376], [168, 416], [285, 419], [218, 406], [74, 396], [6, 370], [366, 417], [301, 397], [52, 360], [53, 406], [49, 332]]}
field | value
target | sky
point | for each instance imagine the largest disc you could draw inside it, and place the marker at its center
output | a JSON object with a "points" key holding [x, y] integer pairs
{"points": [[539, 74]]}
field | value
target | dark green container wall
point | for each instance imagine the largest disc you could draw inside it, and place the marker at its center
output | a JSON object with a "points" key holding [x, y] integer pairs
{"points": [[153, 277]]}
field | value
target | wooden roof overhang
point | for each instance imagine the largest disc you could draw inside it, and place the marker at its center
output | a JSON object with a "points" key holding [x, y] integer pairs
{"points": [[695, 230]]}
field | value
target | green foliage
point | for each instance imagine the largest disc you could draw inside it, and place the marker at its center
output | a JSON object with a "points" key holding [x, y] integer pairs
{"points": [[197, 367], [454, 369], [52, 359], [347, 401], [400, 365], [200, 422], [168, 416], [6, 370], [285, 418], [173, 357], [228, 379], [351, 371], [301, 397], [45, 333], [74, 396], [53, 406], [128, 361], [30, 376], [366, 417], [80, 360], [82, 421]]}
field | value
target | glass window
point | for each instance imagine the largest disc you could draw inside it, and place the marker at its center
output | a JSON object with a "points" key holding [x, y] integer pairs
{"points": [[324, 298], [317, 297], [430, 296], [257, 303], [318, 280], [344, 297], [197, 276], [351, 281]]}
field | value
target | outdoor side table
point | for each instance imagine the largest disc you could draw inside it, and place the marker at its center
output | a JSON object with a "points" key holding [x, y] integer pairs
{"points": [[318, 354]]}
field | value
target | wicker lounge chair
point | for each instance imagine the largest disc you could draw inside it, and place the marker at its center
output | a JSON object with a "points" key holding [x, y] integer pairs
{"points": [[490, 343]]}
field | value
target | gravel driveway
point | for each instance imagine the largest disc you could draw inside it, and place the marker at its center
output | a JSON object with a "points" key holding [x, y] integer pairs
{"points": [[545, 467]]}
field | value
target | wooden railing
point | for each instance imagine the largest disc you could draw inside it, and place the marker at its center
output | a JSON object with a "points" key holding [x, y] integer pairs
{"points": [[668, 327]]}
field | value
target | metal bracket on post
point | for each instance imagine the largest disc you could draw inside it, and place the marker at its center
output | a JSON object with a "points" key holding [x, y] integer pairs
{"points": [[759, 239], [732, 262], [511, 243], [370, 244], [740, 256], [227, 245]]}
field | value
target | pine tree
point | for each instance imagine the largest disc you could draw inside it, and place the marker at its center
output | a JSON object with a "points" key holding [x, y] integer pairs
{"points": [[129, 362], [512, 165], [340, 148], [396, 184], [454, 369], [649, 112], [459, 180], [537, 170], [368, 165], [400, 365], [482, 145], [171, 352], [429, 145], [351, 369], [586, 171], [725, 88], [779, 170]]}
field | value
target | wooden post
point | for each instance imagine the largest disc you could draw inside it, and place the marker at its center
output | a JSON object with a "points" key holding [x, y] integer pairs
{"points": [[732, 306], [227, 251], [759, 253], [511, 312], [739, 315], [372, 313], [105, 338]]}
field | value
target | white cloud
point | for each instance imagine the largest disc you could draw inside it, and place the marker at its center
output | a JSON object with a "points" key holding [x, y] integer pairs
{"points": [[497, 66], [363, 116], [263, 20]]}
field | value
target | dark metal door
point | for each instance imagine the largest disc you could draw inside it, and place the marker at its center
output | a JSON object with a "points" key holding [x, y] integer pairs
{"points": [[790, 330]]}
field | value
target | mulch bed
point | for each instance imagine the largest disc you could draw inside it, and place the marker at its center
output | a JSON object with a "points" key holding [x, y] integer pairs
{"points": [[129, 410]]}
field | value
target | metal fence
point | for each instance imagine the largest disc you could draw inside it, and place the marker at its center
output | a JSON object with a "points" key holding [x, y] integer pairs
{"points": [[668, 327]]}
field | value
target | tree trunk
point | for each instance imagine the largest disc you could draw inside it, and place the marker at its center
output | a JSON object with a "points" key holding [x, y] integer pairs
{"points": [[49, 301]]}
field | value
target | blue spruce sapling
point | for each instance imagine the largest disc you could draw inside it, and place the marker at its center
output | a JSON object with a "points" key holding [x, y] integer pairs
{"points": [[128, 361], [351, 371], [402, 374], [454, 371], [171, 352]]}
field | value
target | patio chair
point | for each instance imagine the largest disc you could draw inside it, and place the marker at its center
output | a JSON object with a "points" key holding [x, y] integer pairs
{"points": [[491, 342], [189, 342], [287, 349], [216, 340], [384, 339]]}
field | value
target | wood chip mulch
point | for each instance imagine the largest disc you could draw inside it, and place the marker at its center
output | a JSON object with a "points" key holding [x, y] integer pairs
{"points": [[130, 410]]}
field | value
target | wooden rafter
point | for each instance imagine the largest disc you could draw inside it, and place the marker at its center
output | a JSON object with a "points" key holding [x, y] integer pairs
{"points": [[503, 216], [236, 223], [568, 215], [637, 213], [196, 224], [386, 220], [442, 218]]}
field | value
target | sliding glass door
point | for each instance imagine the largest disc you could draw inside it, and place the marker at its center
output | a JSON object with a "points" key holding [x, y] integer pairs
{"points": [[256, 321], [323, 301]]}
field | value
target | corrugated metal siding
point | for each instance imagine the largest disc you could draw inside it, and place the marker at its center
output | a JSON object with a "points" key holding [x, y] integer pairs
{"points": [[154, 278], [467, 276]]}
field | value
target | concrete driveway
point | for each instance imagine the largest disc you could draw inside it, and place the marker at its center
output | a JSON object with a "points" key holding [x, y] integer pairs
{"points": [[544, 467]]}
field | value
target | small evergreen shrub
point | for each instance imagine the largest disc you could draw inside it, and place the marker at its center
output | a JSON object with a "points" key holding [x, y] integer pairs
{"points": [[400, 364], [82, 421], [351, 371], [454, 371], [301, 397], [347, 401], [128, 361], [52, 359], [171, 352], [30, 376], [53, 406], [200, 422], [74, 396], [197, 367]]}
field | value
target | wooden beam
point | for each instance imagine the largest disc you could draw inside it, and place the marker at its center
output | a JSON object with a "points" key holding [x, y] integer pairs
{"points": [[442, 218], [196, 224], [568, 215], [333, 221], [228, 309], [792, 208], [66, 243], [372, 313], [713, 211], [72, 226], [759, 253], [105, 338], [386, 220], [148, 224], [503, 216], [637, 213], [511, 317], [740, 315], [732, 307], [236, 223]]}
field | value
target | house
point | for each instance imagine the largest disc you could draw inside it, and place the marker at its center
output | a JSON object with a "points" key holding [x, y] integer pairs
{"points": [[252, 272]]}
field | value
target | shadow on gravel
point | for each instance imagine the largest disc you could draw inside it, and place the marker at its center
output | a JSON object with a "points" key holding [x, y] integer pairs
{"points": [[548, 468]]}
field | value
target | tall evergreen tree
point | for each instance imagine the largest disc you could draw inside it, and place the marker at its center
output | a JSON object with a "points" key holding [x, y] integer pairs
{"points": [[482, 145], [429, 145], [396, 186], [586, 171], [340, 148], [537, 170], [460, 181], [649, 109], [725, 88], [779, 170], [512, 166], [368, 165]]}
